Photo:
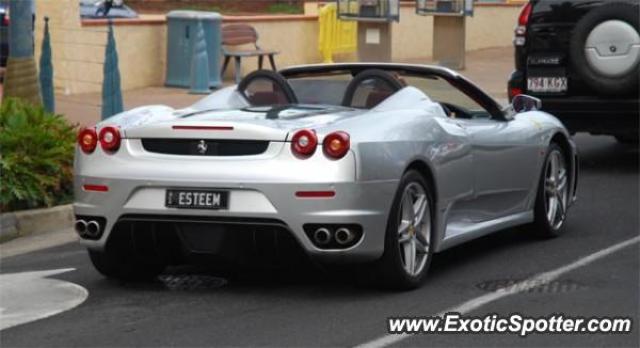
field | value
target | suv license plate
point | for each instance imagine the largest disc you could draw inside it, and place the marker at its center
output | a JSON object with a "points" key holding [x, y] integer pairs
{"points": [[197, 199], [547, 84]]}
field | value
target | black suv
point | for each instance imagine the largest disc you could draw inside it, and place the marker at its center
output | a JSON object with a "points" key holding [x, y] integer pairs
{"points": [[581, 57]]}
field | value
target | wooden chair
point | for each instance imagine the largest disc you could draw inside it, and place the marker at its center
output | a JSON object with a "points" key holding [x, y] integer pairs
{"points": [[238, 35]]}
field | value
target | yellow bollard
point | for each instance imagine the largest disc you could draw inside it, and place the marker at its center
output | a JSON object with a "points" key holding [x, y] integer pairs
{"points": [[335, 35]]}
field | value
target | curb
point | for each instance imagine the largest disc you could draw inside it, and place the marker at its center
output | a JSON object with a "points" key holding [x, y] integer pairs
{"points": [[35, 221]]}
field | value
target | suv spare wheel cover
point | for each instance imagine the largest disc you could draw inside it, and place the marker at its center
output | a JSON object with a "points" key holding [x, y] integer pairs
{"points": [[612, 48]]}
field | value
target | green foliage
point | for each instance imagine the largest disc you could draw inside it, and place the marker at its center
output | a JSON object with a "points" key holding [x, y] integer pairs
{"points": [[285, 9], [276, 8], [36, 156]]}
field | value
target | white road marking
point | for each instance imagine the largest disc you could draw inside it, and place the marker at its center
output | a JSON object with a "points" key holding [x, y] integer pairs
{"points": [[527, 284], [29, 296]]}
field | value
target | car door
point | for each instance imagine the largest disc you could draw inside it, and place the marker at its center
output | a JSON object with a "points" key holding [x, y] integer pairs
{"points": [[502, 151], [504, 165]]}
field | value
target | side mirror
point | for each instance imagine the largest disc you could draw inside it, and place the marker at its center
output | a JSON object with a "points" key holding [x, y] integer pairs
{"points": [[524, 103]]}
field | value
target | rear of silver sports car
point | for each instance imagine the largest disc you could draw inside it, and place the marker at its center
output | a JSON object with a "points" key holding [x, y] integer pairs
{"points": [[229, 190]]}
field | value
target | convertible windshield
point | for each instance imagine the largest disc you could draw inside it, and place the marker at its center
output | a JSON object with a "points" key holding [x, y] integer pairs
{"points": [[442, 91], [330, 89], [323, 89]]}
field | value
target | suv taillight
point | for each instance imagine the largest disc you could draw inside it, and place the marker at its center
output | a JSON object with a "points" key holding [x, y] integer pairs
{"points": [[523, 20]]}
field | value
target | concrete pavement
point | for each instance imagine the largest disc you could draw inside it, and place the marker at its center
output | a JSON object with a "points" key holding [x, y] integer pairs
{"points": [[84, 109], [35, 242]]}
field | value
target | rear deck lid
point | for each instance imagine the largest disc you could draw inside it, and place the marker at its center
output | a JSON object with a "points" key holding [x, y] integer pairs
{"points": [[267, 123]]}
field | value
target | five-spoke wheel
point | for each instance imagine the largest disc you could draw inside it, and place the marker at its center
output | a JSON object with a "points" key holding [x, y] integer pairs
{"points": [[414, 228], [555, 189], [408, 247], [553, 194]]}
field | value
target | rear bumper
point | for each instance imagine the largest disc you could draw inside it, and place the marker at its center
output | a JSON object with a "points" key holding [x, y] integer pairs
{"points": [[595, 115], [362, 204], [592, 114], [260, 187], [220, 243]]}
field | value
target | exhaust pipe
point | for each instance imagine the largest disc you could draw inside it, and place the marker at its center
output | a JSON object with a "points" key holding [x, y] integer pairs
{"points": [[81, 227], [322, 236], [344, 236], [93, 228]]}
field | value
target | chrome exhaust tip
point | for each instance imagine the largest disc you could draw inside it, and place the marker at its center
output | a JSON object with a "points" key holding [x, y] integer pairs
{"points": [[322, 236], [93, 228], [344, 236], [81, 227]]}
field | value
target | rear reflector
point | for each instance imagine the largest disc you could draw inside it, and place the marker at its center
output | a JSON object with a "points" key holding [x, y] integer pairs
{"points": [[218, 128], [315, 194], [96, 188], [514, 91]]}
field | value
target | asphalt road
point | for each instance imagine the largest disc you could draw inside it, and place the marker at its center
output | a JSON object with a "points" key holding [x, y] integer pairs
{"points": [[316, 309]]}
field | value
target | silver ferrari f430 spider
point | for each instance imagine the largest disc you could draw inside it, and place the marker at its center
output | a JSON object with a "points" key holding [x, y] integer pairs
{"points": [[379, 165]]}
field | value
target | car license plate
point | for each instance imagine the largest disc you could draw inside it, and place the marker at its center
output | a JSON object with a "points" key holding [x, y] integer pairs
{"points": [[547, 84], [197, 199]]}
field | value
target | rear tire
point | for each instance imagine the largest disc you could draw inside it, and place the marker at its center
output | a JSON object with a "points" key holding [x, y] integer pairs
{"points": [[409, 227], [124, 267], [553, 194]]}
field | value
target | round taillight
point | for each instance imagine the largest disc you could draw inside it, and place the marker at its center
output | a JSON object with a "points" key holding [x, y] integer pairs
{"points": [[87, 139], [337, 144], [304, 142], [110, 139]]}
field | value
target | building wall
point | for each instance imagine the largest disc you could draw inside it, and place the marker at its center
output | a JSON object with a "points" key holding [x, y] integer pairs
{"points": [[78, 46], [491, 26], [78, 50], [296, 40], [412, 37]]}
